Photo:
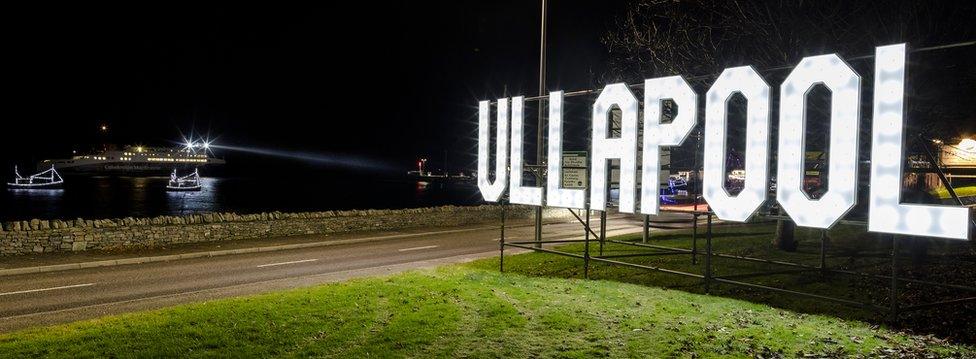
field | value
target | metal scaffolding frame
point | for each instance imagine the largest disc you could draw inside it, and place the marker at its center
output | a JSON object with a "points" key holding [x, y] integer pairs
{"points": [[708, 278]]}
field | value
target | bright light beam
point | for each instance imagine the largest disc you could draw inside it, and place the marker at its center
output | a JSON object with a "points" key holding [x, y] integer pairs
{"points": [[348, 161]]}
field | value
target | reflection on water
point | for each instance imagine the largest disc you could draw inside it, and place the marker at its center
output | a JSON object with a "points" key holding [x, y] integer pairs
{"points": [[113, 197], [37, 193], [422, 187], [183, 202], [34, 200]]}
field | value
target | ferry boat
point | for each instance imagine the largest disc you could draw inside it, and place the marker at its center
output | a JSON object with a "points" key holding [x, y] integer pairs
{"points": [[460, 177], [44, 180], [421, 175], [133, 161], [190, 182]]}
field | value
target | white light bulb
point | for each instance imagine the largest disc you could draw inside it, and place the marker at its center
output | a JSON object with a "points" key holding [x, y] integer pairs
{"points": [[518, 193], [841, 196], [657, 135], [492, 192], [744, 80], [557, 196], [623, 148], [886, 213]]}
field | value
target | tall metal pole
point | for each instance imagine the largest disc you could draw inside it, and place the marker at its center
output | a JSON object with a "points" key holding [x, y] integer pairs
{"points": [[708, 253], [603, 229], [823, 252], [538, 132], [647, 224], [501, 243], [694, 174], [694, 237], [894, 279], [586, 246]]}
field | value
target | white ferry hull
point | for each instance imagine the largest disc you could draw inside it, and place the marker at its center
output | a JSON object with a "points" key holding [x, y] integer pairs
{"points": [[121, 169], [132, 161]]}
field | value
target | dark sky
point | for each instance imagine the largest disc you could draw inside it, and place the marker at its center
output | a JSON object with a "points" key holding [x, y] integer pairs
{"points": [[380, 83], [383, 81]]}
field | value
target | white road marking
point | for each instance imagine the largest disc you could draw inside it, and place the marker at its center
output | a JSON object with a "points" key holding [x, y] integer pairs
{"points": [[284, 263], [47, 289], [415, 248], [392, 268]]}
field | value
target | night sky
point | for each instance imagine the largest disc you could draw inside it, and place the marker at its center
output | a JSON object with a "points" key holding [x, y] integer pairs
{"points": [[382, 83]]}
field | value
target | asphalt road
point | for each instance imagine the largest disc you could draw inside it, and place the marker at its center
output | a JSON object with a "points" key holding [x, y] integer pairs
{"points": [[58, 297]]}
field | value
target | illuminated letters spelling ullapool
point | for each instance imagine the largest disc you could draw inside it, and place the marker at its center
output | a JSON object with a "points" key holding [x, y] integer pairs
{"points": [[886, 213]]}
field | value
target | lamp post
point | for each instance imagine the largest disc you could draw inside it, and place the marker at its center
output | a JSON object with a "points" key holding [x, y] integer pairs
{"points": [[538, 132]]}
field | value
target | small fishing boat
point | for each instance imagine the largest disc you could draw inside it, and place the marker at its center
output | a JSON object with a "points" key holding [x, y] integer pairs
{"points": [[190, 182], [43, 180]]}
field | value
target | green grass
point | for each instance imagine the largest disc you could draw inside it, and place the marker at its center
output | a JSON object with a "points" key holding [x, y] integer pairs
{"points": [[538, 308], [943, 193]]}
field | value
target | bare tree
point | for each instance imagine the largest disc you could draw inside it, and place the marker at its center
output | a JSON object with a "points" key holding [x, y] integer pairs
{"points": [[701, 37]]}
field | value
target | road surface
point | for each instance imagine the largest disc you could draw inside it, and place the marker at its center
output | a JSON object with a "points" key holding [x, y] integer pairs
{"points": [[57, 297]]}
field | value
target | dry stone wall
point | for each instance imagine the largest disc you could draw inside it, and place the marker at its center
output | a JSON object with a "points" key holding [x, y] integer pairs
{"points": [[43, 236]]}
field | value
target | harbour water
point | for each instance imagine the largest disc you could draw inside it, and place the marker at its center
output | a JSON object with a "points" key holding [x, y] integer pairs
{"points": [[114, 197]]}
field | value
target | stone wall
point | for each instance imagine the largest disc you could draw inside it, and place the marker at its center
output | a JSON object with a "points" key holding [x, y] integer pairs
{"points": [[43, 236]]}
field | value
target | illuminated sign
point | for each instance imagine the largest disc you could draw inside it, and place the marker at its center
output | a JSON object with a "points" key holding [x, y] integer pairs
{"points": [[623, 148], [845, 89], [493, 191], [557, 196], [746, 81], [886, 212], [656, 134], [520, 194]]}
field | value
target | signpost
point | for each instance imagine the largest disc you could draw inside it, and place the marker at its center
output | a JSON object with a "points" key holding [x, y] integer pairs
{"points": [[574, 169]]}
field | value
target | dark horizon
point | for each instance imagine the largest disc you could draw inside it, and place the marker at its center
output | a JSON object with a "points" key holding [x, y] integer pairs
{"points": [[268, 78], [381, 85]]}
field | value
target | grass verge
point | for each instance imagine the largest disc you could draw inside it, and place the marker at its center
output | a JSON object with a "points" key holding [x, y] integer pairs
{"points": [[536, 309], [943, 193]]}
